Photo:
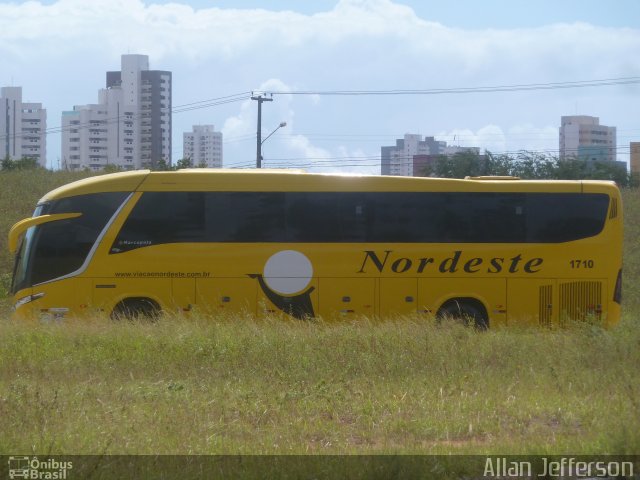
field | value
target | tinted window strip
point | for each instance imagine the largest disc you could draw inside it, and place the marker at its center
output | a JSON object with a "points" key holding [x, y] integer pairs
{"points": [[361, 217]]}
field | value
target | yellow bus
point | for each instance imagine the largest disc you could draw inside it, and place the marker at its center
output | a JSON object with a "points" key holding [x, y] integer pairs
{"points": [[494, 250]]}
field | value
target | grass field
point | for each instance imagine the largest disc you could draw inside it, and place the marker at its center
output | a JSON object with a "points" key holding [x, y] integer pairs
{"points": [[235, 385], [240, 386]]}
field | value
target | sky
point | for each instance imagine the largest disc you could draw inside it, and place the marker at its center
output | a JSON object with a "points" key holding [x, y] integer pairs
{"points": [[59, 50]]}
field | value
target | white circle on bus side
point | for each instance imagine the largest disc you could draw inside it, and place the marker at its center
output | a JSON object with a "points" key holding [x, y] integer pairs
{"points": [[288, 272]]}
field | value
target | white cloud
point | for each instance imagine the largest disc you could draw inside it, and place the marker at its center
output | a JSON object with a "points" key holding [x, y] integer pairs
{"points": [[301, 146], [534, 139], [59, 54], [239, 125], [493, 138], [177, 29], [489, 137]]}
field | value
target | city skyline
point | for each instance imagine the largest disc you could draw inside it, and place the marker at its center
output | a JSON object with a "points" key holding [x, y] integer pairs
{"points": [[348, 45], [129, 127]]}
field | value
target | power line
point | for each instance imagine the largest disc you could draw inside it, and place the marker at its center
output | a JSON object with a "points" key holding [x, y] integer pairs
{"points": [[234, 97], [461, 90], [438, 91], [211, 103]]}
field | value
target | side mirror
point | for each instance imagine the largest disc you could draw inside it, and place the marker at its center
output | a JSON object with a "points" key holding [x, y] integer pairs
{"points": [[23, 225]]}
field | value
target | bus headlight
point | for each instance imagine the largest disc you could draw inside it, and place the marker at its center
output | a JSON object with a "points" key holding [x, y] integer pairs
{"points": [[27, 299]]}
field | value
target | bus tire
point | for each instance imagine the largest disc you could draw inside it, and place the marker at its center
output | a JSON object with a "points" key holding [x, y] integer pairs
{"points": [[467, 311], [136, 309]]}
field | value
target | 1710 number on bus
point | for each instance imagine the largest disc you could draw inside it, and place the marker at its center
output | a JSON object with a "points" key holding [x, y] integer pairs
{"points": [[581, 263]]}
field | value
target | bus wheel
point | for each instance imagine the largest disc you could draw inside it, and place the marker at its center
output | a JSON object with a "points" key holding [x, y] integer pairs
{"points": [[466, 311], [136, 309]]}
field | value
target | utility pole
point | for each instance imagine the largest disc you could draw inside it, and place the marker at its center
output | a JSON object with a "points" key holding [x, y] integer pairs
{"points": [[259, 99]]}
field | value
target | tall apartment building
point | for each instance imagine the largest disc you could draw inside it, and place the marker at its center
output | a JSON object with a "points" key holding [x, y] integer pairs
{"points": [[203, 146], [399, 159], [634, 159], [22, 127], [129, 127], [583, 137]]}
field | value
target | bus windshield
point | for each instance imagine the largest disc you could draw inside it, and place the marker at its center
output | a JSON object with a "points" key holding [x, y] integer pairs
{"points": [[53, 250], [20, 267]]}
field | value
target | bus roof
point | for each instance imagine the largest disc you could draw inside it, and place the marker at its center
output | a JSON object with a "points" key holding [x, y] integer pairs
{"points": [[203, 179], [111, 182]]}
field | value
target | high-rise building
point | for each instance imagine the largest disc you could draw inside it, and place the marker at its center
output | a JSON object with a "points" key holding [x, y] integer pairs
{"points": [[22, 127], [583, 137], [399, 160], [129, 127], [203, 146], [634, 159], [412, 154]]}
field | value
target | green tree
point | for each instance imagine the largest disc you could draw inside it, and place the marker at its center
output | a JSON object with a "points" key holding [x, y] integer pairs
{"points": [[533, 165], [183, 163], [499, 165], [605, 170], [460, 165], [7, 163], [162, 165], [571, 169], [24, 163], [528, 165]]}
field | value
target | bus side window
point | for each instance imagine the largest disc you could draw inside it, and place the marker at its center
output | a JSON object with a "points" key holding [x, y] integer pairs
{"points": [[163, 217], [326, 217], [563, 217], [245, 217]]}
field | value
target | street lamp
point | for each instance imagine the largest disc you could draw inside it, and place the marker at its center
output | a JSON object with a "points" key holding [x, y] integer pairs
{"points": [[259, 163]]}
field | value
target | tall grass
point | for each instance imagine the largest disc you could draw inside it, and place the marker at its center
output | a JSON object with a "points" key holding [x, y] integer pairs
{"points": [[631, 259], [243, 386]]}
